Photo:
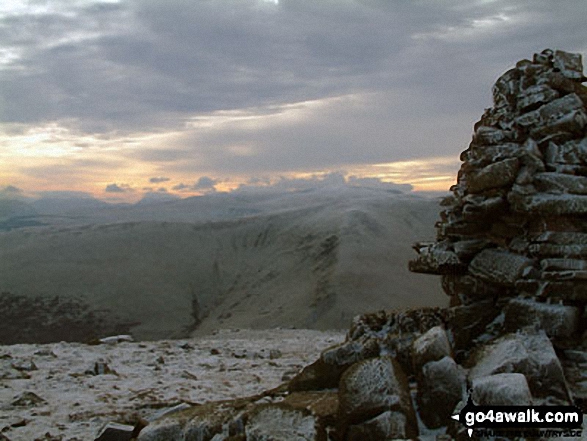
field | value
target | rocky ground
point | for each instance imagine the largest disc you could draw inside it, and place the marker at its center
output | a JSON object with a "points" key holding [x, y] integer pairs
{"points": [[68, 391]]}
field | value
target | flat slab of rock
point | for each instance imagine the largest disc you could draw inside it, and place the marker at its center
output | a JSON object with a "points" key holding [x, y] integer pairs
{"points": [[556, 320], [549, 204], [560, 183], [499, 266], [498, 174]]}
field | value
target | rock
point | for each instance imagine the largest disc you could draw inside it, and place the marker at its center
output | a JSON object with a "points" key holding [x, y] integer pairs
{"points": [[548, 204], [100, 368], [570, 65], [441, 387], [431, 346], [115, 339], [499, 266], [555, 320], [8, 372], [351, 351], [507, 389], [563, 264], [477, 207], [386, 426], [498, 174], [28, 399], [275, 354], [468, 289], [120, 432], [316, 376], [276, 422], [24, 365], [552, 182], [535, 96], [374, 386], [433, 261], [527, 353], [166, 429], [491, 136], [573, 152], [323, 405]]}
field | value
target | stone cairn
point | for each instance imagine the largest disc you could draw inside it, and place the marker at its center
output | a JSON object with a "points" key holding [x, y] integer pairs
{"points": [[512, 252]]}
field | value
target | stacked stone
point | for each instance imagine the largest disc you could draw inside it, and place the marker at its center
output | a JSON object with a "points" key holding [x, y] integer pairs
{"points": [[516, 222]]}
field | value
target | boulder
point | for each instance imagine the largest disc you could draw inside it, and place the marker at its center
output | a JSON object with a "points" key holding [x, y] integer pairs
{"points": [[386, 426], [441, 386], [120, 432], [529, 353], [374, 386], [167, 429], [468, 322], [430, 346], [507, 389], [276, 422], [350, 351], [316, 376]]}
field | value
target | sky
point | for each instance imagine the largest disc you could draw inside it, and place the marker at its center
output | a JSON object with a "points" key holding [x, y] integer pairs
{"points": [[122, 98]]}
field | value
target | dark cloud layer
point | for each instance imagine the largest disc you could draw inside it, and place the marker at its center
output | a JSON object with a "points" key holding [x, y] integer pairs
{"points": [[423, 71]]}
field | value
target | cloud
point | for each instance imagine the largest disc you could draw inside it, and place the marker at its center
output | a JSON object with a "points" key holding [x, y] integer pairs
{"points": [[158, 180], [180, 187], [115, 188], [205, 183], [11, 189], [120, 66], [161, 195], [65, 194], [11, 192], [317, 181], [257, 89]]}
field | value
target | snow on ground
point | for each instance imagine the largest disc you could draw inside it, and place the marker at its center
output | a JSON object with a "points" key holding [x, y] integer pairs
{"points": [[148, 378]]}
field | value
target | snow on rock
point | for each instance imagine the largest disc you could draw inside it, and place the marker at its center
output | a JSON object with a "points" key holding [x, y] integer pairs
{"points": [[528, 353], [62, 399], [507, 389]]}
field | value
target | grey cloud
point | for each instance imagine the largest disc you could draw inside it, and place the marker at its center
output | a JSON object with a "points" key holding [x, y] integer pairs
{"points": [[65, 194], [205, 183], [159, 179], [180, 187], [378, 183], [333, 179], [115, 188], [11, 189]]}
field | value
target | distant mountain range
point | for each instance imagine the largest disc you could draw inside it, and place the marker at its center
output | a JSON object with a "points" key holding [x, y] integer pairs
{"points": [[312, 259]]}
